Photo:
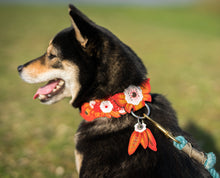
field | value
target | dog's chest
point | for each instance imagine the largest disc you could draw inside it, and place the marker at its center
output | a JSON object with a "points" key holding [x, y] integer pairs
{"points": [[100, 150]]}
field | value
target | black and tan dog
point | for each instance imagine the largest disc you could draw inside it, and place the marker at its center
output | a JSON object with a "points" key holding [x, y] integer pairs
{"points": [[87, 62]]}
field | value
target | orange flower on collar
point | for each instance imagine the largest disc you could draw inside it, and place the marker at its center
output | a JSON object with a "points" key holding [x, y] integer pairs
{"points": [[134, 97]]}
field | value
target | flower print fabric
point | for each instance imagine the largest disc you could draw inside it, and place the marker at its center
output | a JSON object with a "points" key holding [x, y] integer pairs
{"points": [[132, 99]]}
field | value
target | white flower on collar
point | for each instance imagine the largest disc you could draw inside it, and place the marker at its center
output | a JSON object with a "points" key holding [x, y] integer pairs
{"points": [[106, 106], [133, 95], [92, 104]]}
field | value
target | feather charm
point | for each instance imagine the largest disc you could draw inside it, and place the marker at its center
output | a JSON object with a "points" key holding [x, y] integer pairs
{"points": [[141, 135]]}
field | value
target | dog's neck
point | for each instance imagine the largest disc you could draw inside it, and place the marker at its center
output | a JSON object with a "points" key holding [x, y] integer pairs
{"points": [[132, 99]]}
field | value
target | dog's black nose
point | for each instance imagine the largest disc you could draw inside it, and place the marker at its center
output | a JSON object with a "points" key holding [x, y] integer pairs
{"points": [[20, 68]]}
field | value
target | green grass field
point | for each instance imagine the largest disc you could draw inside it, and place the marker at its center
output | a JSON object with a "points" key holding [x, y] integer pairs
{"points": [[179, 46]]}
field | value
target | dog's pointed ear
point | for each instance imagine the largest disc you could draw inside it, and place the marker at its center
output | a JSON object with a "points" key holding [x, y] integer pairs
{"points": [[82, 25]]}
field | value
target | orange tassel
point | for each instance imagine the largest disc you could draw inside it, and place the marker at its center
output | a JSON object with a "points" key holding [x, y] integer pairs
{"points": [[144, 139], [134, 142], [141, 136], [152, 142]]}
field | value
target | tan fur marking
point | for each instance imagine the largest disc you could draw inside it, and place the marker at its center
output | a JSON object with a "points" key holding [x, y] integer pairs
{"points": [[78, 34], [78, 159], [78, 155], [40, 66], [50, 42], [35, 68], [72, 70], [43, 64], [51, 49]]}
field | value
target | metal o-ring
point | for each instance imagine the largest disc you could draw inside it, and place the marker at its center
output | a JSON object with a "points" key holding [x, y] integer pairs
{"points": [[141, 117]]}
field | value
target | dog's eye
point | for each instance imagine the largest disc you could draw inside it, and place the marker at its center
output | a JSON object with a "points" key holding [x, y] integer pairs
{"points": [[51, 56]]}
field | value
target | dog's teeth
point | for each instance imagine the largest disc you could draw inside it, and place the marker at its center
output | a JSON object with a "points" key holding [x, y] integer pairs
{"points": [[42, 97], [58, 87], [49, 95], [61, 82], [54, 90]]}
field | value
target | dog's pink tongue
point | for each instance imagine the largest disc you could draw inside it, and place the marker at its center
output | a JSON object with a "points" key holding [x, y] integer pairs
{"points": [[48, 88]]}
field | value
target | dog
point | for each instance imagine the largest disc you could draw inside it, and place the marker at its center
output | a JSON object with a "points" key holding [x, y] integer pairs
{"points": [[92, 66]]}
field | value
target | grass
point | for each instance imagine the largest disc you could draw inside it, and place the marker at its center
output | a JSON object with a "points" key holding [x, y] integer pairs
{"points": [[179, 46]]}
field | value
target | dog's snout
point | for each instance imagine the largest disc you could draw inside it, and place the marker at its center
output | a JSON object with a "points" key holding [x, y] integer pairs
{"points": [[20, 68]]}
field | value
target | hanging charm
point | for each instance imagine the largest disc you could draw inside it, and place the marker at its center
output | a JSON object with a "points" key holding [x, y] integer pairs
{"points": [[141, 135]]}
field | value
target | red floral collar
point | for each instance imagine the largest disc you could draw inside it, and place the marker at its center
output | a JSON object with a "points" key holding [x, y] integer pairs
{"points": [[132, 99]]}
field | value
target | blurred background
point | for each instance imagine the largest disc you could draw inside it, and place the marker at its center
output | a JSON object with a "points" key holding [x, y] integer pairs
{"points": [[178, 40]]}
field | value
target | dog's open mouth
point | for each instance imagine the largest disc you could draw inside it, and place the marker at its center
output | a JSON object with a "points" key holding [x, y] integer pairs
{"points": [[52, 88]]}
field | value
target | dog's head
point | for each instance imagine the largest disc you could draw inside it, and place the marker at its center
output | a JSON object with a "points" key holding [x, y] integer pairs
{"points": [[84, 61]]}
